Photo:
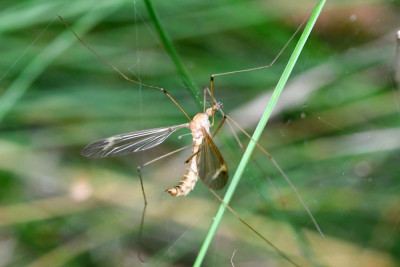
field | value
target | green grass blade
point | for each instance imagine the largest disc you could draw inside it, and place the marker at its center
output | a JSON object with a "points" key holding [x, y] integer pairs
{"points": [[257, 133], [174, 55]]}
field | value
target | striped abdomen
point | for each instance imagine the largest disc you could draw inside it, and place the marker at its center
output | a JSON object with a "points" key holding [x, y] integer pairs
{"points": [[190, 178]]}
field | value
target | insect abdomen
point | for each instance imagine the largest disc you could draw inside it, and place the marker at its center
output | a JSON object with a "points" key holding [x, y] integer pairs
{"points": [[185, 185], [189, 179]]}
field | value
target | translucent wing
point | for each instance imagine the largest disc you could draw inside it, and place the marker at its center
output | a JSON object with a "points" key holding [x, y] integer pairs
{"points": [[211, 165], [127, 143]]}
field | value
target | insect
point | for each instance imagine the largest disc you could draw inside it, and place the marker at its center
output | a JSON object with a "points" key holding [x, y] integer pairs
{"points": [[205, 161]]}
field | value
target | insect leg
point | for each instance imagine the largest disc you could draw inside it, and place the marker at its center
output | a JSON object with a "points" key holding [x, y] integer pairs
{"points": [[212, 76], [120, 72], [396, 64], [281, 172], [277, 250], [204, 100], [191, 156], [139, 169], [219, 126], [242, 147]]}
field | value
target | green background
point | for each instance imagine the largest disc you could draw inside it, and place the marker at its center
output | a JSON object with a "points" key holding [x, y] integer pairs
{"points": [[335, 132]]}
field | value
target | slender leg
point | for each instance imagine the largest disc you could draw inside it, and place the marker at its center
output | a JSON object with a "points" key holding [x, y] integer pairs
{"points": [[204, 100], [219, 126], [120, 72], [143, 214], [261, 67], [281, 172], [212, 97], [191, 156], [277, 250], [396, 64], [139, 169], [242, 147], [212, 76], [273, 162]]}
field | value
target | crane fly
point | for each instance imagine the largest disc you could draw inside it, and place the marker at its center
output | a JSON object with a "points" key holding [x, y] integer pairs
{"points": [[205, 161]]}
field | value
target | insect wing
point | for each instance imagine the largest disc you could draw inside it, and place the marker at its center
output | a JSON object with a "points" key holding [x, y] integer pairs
{"points": [[127, 143], [211, 165]]}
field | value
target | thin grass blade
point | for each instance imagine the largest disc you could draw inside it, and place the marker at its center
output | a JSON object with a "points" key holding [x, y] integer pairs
{"points": [[257, 133], [191, 86]]}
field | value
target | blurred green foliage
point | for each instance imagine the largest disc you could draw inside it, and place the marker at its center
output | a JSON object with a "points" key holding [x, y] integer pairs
{"points": [[335, 133]]}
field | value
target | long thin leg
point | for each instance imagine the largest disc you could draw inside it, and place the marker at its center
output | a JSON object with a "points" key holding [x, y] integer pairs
{"points": [[396, 64], [257, 165], [273, 162], [242, 147], [139, 169], [281, 172], [277, 250], [219, 126], [143, 214], [120, 72], [204, 100], [251, 69], [191, 156]]}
